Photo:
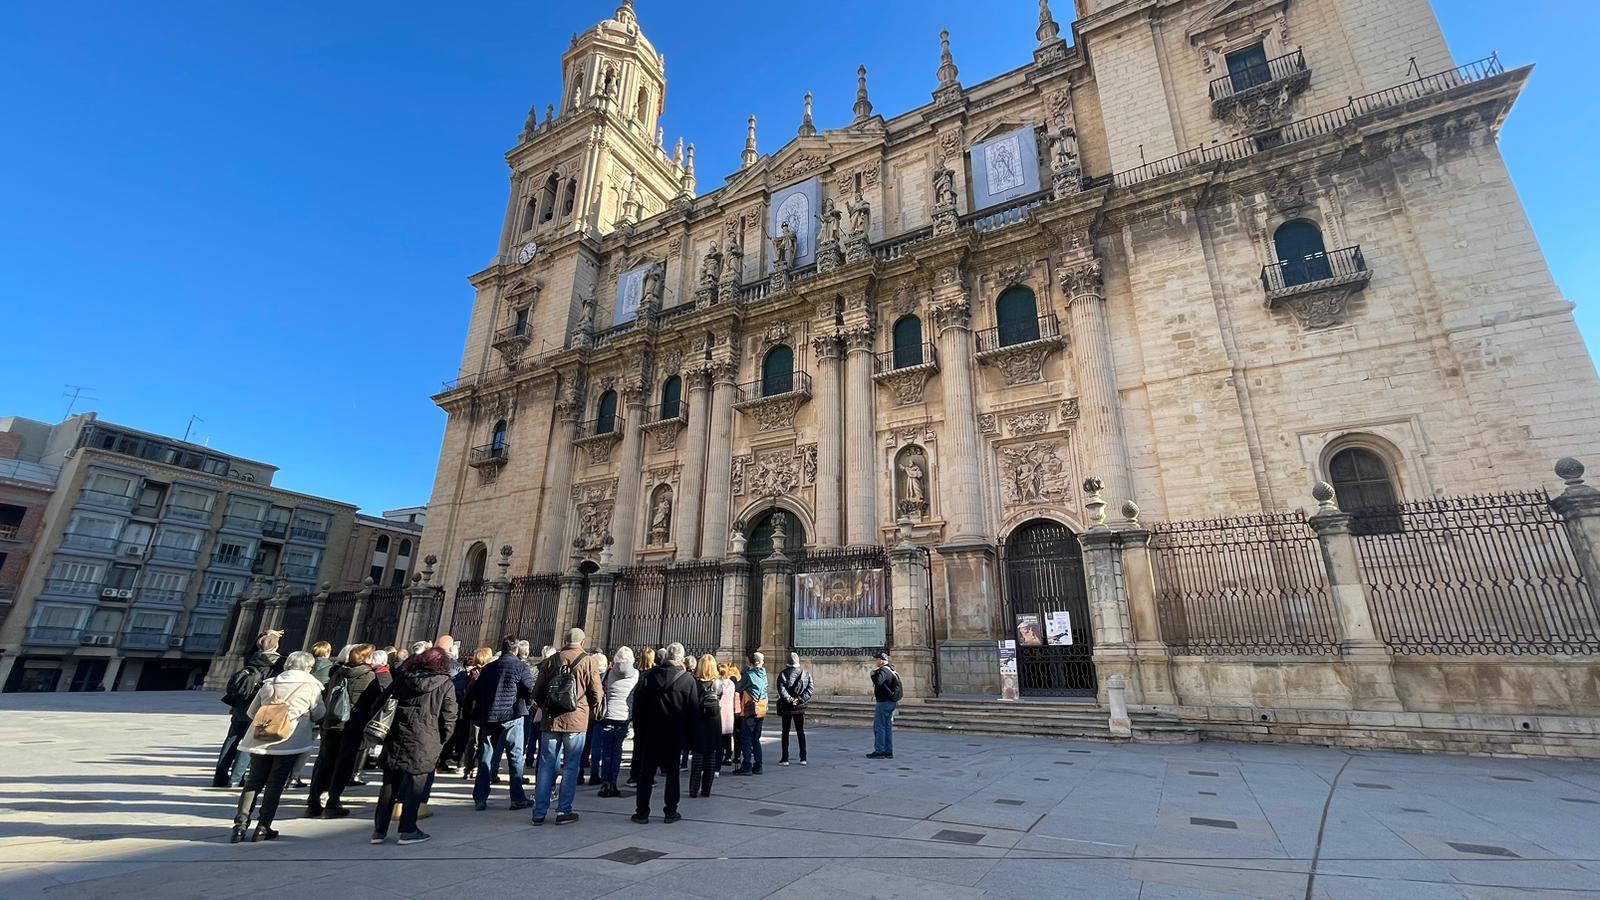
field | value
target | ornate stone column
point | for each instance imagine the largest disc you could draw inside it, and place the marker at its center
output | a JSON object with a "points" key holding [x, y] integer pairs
{"points": [[1099, 432], [686, 518], [625, 514], [1367, 658], [777, 598], [719, 464], [830, 438], [958, 462], [861, 516], [558, 479]]}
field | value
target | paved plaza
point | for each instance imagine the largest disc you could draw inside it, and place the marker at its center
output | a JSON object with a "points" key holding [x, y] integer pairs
{"points": [[107, 795]]}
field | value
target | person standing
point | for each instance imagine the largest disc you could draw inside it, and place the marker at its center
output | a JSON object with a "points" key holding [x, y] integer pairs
{"points": [[706, 742], [424, 713], [753, 694], [499, 705], [323, 670], [239, 693], [280, 733], [794, 692], [364, 685], [570, 694], [463, 748], [612, 730], [887, 691], [664, 711], [726, 674]]}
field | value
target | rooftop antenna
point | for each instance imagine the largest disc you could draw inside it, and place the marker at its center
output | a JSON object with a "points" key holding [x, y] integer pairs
{"points": [[74, 391], [190, 427]]}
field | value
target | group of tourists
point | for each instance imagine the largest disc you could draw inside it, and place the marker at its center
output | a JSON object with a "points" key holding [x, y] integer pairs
{"points": [[423, 713]]}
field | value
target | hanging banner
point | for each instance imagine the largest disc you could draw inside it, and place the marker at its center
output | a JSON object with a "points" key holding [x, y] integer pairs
{"points": [[1010, 688], [1005, 168], [630, 292], [846, 608], [797, 205]]}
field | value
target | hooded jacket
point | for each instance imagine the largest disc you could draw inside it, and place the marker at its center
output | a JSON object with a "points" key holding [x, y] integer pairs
{"points": [[424, 715], [302, 693], [619, 684]]}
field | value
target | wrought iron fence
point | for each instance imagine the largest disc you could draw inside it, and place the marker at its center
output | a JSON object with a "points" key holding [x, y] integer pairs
{"points": [[296, 619], [466, 620], [1253, 584], [655, 605], [531, 608], [1489, 574], [842, 605], [382, 623], [338, 612]]}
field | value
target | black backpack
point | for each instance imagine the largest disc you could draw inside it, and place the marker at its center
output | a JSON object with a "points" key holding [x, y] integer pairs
{"points": [[242, 686], [710, 700], [562, 694]]}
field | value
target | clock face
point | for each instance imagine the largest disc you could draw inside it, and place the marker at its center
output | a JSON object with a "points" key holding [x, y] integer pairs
{"points": [[527, 252]]}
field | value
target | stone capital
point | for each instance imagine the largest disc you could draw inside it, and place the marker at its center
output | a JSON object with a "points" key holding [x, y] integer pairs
{"points": [[859, 338], [827, 347], [1330, 521], [1081, 275]]}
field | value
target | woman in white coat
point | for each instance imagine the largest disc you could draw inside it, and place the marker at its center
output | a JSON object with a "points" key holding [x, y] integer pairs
{"points": [[272, 759]]}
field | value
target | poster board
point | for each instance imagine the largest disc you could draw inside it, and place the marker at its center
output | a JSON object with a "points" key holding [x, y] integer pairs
{"points": [[630, 293], [1058, 628], [840, 609], [1010, 687]]}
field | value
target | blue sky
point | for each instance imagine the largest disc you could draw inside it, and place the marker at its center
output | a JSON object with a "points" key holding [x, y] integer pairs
{"points": [[263, 214]]}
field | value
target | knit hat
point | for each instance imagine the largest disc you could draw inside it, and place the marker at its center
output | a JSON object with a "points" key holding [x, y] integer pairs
{"points": [[882, 656], [794, 659], [575, 637]]}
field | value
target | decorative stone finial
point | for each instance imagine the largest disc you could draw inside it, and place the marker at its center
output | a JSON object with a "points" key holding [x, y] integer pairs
{"points": [[806, 128], [1048, 29], [749, 157], [1096, 504], [506, 551], [1322, 492], [863, 105], [688, 162], [427, 567], [661, 136], [326, 587], [1130, 512], [625, 14], [904, 526], [1569, 471], [549, 113], [368, 583], [948, 73], [677, 154]]}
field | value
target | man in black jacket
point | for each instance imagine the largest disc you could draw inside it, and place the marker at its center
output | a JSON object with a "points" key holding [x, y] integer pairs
{"points": [[886, 689], [499, 704], [263, 664], [664, 709]]}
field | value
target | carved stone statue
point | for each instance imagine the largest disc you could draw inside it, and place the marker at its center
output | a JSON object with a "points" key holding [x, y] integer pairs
{"points": [[586, 317], [830, 234], [785, 247], [860, 215], [916, 490], [1066, 172], [653, 284], [661, 518], [733, 261], [944, 185], [710, 266]]}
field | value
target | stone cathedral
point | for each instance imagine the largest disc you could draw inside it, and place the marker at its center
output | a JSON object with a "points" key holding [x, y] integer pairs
{"points": [[1187, 260]]}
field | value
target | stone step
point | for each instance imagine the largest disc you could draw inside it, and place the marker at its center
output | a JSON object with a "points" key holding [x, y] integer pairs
{"points": [[1031, 718]]}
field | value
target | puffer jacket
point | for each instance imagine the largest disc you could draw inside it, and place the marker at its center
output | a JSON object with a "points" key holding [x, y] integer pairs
{"points": [[302, 693], [501, 692], [424, 715], [794, 690], [619, 684]]}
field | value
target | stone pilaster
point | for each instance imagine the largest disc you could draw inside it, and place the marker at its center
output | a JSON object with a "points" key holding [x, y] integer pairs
{"points": [[625, 514], [1579, 508], [319, 604], [719, 465], [735, 594], [569, 604], [1150, 657], [830, 439], [558, 483], [496, 596], [689, 500], [272, 616], [910, 595], [1367, 658], [596, 622], [777, 601], [359, 614], [959, 472], [861, 473], [1099, 430], [1108, 608]]}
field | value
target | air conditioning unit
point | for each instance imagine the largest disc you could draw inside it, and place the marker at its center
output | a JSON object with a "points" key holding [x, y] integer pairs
{"points": [[95, 640], [175, 641], [125, 594], [108, 592], [133, 551]]}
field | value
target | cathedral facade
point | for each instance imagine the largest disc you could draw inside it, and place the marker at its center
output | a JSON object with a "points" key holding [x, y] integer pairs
{"points": [[1199, 257]]}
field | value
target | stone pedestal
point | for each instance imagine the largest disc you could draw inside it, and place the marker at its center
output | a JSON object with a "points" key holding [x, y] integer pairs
{"points": [[777, 607], [1579, 508], [735, 596], [1367, 659], [910, 644], [1108, 611], [496, 596], [855, 247], [596, 622], [1150, 656], [569, 605], [968, 657]]}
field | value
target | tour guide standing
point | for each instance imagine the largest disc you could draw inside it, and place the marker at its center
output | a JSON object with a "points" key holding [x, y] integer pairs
{"points": [[499, 703], [570, 694], [664, 709], [753, 693], [887, 690]]}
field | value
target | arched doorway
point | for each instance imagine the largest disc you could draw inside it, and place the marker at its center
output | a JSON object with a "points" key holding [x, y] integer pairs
{"points": [[758, 548], [1047, 610]]}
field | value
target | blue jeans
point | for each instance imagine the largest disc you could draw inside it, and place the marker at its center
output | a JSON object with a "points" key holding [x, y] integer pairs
{"points": [[506, 736], [608, 737], [569, 748], [751, 761], [883, 727]]}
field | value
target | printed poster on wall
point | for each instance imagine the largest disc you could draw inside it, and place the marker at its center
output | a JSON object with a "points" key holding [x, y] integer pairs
{"points": [[630, 292], [1029, 634], [1004, 168], [797, 205], [1058, 628], [840, 609], [1010, 687]]}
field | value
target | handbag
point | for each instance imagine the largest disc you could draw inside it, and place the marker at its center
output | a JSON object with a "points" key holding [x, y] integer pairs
{"points": [[754, 708]]}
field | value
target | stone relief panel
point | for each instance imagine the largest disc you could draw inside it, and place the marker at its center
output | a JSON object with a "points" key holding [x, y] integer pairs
{"points": [[774, 473], [1034, 472], [775, 415], [592, 504], [1028, 423]]}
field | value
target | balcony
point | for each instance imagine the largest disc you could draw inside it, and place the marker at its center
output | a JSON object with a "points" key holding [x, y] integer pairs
{"points": [[146, 639], [669, 421], [1019, 349], [597, 436], [107, 500], [202, 643], [161, 596], [231, 562], [88, 542], [188, 513], [9, 531], [50, 636], [316, 534], [924, 354], [274, 529], [244, 524], [185, 555], [512, 340], [773, 401], [298, 572], [1274, 73], [1014, 212], [905, 371], [1316, 288], [62, 587], [489, 456]]}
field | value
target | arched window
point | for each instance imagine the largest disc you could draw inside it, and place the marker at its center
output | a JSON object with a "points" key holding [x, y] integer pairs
{"points": [[405, 548], [498, 439], [477, 561], [383, 544], [605, 418], [672, 398], [907, 342], [547, 198], [777, 371], [572, 198], [641, 107], [1017, 315], [527, 214], [1301, 254], [1364, 486]]}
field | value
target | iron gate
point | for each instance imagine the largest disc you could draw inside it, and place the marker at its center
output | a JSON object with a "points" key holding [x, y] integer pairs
{"points": [[652, 606], [296, 618], [467, 618], [338, 611], [531, 609], [1047, 611], [383, 616]]}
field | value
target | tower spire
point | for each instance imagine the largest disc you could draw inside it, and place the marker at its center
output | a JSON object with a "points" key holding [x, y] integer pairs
{"points": [[624, 13], [948, 73], [749, 157], [806, 128], [1048, 29], [863, 105]]}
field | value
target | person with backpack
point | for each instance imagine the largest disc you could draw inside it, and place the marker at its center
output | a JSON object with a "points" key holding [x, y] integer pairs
{"points": [[462, 751], [280, 733], [569, 694], [794, 692], [238, 694], [418, 714], [337, 702], [363, 690], [706, 741], [665, 710], [499, 704], [887, 690], [753, 699]]}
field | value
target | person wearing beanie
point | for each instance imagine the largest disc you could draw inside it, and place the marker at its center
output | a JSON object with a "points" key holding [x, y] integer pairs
{"points": [[570, 694], [794, 692], [753, 695], [887, 691]]}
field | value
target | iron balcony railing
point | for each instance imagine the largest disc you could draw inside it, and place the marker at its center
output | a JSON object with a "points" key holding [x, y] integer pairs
{"points": [[310, 532], [236, 562], [91, 542], [188, 513], [904, 357], [489, 454], [1241, 80], [517, 331], [602, 425], [202, 643], [8, 531], [174, 554], [241, 523], [68, 588], [1326, 266], [8, 593], [1046, 327], [297, 570], [1315, 126], [773, 385], [668, 412], [161, 595], [274, 529]]}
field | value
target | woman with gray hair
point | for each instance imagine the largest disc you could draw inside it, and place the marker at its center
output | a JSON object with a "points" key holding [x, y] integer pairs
{"points": [[280, 732]]}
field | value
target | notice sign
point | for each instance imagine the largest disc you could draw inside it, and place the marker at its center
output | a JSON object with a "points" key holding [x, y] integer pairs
{"points": [[1058, 627], [1010, 688], [1029, 634]]}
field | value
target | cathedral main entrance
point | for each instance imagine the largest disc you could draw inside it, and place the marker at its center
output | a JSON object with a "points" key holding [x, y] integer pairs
{"points": [[1047, 610], [757, 548]]}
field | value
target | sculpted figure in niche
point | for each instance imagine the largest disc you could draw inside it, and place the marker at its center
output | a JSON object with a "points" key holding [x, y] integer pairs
{"points": [[913, 483], [1064, 151], [784, 247], [653, 284], [860, 215], [711, 265], [733, 261], [944, 185], [829, 234], [661, 517]]}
